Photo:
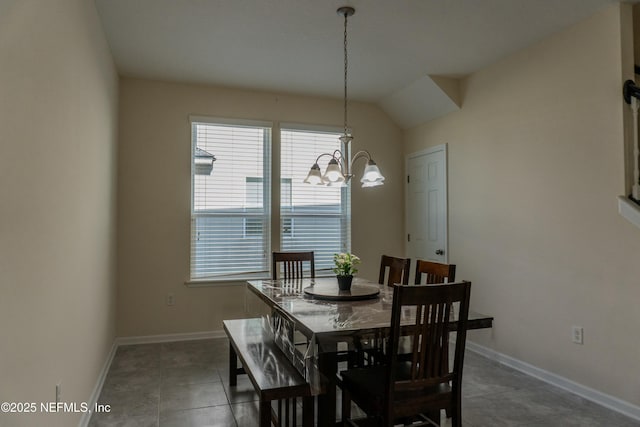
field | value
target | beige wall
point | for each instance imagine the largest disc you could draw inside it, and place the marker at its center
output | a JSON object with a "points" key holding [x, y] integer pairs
{"points": [[636, 38], [58, 92], [154, 196], [536, 161]]}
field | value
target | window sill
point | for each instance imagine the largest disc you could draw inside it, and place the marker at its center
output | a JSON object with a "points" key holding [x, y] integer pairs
{"points": [[207, 283], [629, 210]]}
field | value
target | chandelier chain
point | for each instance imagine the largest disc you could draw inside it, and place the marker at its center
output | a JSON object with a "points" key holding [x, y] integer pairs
{"points": [[338, 172], [346, 63]]}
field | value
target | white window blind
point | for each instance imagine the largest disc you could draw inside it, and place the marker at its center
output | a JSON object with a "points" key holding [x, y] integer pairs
{"points": [[230, 210], [313, 218]]}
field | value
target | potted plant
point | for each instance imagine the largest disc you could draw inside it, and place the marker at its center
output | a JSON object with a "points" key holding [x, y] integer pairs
{"points": [[345, 268]]}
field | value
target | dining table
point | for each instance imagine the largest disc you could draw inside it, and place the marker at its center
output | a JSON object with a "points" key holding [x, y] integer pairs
{"points": [[332, 321]]}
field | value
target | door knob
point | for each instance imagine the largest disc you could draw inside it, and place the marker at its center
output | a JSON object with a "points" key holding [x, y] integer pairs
{"points": [[439, 252]]}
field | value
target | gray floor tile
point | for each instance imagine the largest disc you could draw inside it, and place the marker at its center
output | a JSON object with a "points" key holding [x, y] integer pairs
{"points": [[213, 416], [130, 403], [111, 420], [245, 413], [514, 408], [193, 374], [242, 392], [223, 370], [131, 358], [186, 383], [189, 353], [483, 379], [191, 396], [195, 345], [144, 380]]}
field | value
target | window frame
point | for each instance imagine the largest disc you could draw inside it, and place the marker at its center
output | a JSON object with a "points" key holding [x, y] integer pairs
{"points": [[271, 149], [345, 194], [268, 142]]}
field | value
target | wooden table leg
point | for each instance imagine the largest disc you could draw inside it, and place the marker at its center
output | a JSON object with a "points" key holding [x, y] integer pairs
{"points": [[328, 366], [265, 414]]}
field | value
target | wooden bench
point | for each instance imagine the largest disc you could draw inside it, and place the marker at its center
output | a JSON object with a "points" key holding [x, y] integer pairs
{"points": [[272, 374]]}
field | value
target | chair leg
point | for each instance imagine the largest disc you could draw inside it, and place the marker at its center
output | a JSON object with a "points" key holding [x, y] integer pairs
{"points": [[307, 411], [233, 366], [456, 415], [278, 412], [287, 411], [456, 409], [346, 405]]}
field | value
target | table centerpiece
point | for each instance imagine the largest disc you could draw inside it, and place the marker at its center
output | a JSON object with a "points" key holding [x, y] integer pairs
{"points": [[345, 268]]}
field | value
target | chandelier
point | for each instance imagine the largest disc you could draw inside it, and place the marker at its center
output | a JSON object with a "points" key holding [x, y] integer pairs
{"points": [[339, 169]]}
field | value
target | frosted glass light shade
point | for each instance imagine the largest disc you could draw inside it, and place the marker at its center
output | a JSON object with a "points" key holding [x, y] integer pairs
{"points": [[314, 177], [372, 176], [333, 174]]}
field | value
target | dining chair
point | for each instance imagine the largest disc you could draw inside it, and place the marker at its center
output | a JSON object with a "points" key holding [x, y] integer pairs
{"points": [[435, 272], [398, 270], [420, 386], [292, 265]]}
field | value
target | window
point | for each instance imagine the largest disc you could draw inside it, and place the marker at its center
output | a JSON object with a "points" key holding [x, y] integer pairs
{"points": [[232, 192], [230, 210], [254, 197], [313, 217]]}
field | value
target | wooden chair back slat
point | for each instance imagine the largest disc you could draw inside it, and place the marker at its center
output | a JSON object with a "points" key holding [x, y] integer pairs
{"points": [[292, 265], [434, 272], [398, 270]]}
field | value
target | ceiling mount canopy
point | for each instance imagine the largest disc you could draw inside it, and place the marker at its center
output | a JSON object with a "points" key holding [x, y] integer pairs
{"points": [[346, 11], [338, 170]]}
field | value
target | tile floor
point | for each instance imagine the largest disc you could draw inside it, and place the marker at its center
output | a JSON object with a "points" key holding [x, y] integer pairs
{"points": [[186, 384]]}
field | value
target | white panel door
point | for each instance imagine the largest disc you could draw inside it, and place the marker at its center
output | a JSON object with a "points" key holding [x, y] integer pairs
{"points": [[427, 205]]}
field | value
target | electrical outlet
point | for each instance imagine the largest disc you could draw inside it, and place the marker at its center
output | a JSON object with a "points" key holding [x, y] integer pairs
{"points": [[171, 299], [58, 393], [577, 335]]}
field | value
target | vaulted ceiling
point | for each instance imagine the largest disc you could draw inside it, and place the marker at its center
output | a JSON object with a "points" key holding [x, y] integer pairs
{"points": [[404, 55]]}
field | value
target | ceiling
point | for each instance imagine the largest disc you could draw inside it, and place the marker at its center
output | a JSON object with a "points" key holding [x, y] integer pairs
{"points": [[295, 46]]}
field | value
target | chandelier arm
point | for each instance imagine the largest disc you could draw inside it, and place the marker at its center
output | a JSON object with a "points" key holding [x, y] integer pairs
{"points": [[363, 154], [324, 154], [337, 154], [338, 158]]}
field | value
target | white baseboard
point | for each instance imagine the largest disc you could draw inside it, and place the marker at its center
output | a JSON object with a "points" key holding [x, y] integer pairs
{"points": [[97, 389], [630, 210], [148, 339], [603, 399], [151, 339]]}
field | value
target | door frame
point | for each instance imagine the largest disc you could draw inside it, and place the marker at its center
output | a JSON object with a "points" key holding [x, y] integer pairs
{"points": [[444, 148]]}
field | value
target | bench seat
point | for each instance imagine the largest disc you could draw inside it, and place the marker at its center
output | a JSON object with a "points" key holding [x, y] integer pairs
{"points": [[270, 371]]}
